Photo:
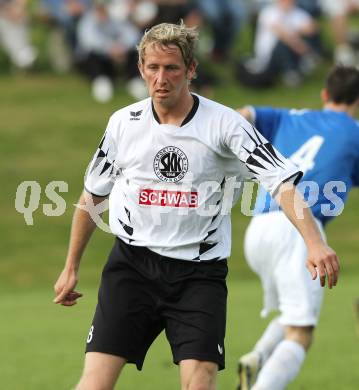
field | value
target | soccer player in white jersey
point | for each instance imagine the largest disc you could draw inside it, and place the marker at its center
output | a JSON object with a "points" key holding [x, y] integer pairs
{"points": [[325, 146], [163, 162]]}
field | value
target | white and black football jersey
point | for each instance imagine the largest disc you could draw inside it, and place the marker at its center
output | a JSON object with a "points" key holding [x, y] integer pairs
{"points": [[167, 183]]}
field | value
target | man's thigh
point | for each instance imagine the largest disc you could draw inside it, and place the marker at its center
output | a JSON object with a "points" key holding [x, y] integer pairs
{"points": [[299, 296], [196, 320], [100, 371], [125, 322], [277, 252]]}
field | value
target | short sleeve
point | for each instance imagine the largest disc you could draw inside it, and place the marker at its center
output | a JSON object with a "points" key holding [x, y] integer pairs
{"points": [[262, 160], [101, 172], [267, 120]]}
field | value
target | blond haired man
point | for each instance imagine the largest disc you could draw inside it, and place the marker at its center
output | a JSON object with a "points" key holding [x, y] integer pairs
{"points": [[163, 162]]}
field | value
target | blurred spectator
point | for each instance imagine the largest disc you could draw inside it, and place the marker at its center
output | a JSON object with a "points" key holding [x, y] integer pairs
{"points": [[311, 6], [225, 17], [141, 13], [255, 6], [62, 16], [14, 33], [253, 9], [104, 43], [339, 12], [172, 11], [284, 44]]}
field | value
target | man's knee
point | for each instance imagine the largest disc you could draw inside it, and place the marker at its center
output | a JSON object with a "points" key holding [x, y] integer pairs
{"points": [[301, 334], [198, 375], [100, 371]]}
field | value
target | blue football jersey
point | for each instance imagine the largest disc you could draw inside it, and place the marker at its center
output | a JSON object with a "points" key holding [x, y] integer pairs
{"points": [[325, 146]]}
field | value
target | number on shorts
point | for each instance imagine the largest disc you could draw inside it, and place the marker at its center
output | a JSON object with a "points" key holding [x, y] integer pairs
{"points": [[90, 335]]}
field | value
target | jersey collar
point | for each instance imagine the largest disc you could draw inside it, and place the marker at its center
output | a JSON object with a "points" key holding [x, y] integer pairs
{"points": [[189, 116]]}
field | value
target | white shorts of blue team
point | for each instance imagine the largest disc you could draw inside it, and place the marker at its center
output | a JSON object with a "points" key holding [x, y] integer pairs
{"points": [[276, 251]]}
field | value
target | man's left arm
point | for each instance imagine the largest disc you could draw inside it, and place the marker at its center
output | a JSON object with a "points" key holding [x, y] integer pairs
{"points": [[278, 175], [321, 259]]}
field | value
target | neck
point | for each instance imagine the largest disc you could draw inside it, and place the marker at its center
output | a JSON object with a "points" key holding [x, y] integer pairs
{"points": [[176, 113], [341, 107]]}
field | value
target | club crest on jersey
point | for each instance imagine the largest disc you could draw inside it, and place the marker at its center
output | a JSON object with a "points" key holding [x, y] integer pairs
{"points": [[135, 115], [170, 164]]}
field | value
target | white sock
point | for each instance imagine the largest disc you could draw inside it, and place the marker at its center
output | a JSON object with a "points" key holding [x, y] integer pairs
{"points": [[282, 367], [271, 337]]}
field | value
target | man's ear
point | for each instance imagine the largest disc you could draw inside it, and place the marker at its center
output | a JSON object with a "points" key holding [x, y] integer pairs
{"points": [[324, 95], [140, 69], [191, 71]]}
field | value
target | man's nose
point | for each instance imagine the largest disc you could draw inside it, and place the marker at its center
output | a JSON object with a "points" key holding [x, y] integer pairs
{"points": [[161, 76]]}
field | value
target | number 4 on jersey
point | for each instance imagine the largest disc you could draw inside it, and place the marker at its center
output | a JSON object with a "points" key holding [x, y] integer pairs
{"points": [[305, 155]]}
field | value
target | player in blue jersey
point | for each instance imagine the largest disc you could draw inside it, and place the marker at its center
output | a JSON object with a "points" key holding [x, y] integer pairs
{"points": [[325, 145]]}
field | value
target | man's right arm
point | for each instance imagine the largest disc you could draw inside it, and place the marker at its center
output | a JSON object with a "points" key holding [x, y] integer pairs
{"points": [[81, 230]]}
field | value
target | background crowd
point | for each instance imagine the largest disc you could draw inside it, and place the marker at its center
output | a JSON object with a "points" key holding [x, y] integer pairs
{"points": [[98, 38]]}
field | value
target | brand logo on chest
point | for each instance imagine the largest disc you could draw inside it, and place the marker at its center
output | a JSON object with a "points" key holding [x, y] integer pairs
{"points": [[135, 115]]}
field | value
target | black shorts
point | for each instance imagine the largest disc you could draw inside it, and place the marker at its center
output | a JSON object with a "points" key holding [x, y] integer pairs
{"points": [[142, 293]]}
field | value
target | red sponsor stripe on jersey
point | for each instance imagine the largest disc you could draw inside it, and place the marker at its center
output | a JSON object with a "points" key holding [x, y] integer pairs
{"points": [[168, 198]]}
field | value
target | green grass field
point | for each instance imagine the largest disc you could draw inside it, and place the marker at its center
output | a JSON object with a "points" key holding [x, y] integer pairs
{"points": [[49, 129]]}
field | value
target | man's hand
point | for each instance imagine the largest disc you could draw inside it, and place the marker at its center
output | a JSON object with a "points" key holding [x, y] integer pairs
{"points": [[65, 288], [323, 261]]}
